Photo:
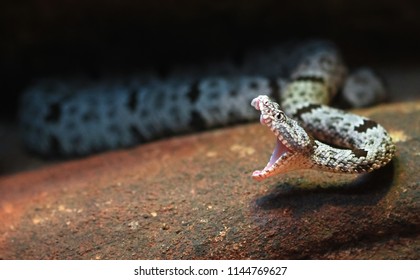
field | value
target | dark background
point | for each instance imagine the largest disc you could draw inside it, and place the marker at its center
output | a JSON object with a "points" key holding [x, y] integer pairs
{"points": [[50, 37]]}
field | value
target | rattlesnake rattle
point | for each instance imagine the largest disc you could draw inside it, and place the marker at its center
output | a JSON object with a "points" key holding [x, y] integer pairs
{"points": [[77, 117], [305, 120]]}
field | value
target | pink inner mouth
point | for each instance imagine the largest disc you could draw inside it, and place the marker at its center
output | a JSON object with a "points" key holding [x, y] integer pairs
{"points": [[279, 151]]}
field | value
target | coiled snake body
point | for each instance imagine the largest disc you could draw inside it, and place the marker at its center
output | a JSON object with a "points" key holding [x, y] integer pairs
{"points": [[364, 144], [79, 117]]}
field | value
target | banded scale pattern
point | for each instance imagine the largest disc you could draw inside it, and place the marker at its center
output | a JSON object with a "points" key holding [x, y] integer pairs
{"points": [[329, 139], [80, 116]]}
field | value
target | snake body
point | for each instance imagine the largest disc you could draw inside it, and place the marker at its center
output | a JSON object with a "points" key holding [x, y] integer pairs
{"points": [[305, 124], [78, 117]]}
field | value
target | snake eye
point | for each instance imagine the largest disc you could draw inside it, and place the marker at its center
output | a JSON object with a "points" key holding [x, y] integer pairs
{"points": [[280, 116]]}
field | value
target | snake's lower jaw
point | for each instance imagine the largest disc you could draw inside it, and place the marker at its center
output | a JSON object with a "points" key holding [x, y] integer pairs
{"points": [[258, 175], [287, 162], [270, 170], [283, 160], [278, 162]]}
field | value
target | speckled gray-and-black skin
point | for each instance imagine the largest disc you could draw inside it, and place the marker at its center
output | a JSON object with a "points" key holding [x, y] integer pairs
{"points": [[305, 120], [74, 117]]}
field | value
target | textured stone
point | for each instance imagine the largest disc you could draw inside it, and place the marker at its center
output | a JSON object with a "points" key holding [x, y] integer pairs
{"points": [[192, 197]]}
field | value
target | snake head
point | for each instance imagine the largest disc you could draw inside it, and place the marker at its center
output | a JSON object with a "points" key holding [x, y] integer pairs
{"points": [[293, 144]]}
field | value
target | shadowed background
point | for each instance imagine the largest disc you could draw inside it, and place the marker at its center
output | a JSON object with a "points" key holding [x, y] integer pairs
{"points": [[192, 197], [43, 38]]}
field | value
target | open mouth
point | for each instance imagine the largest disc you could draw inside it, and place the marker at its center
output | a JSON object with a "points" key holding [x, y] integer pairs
{"points": [[280, 152]]}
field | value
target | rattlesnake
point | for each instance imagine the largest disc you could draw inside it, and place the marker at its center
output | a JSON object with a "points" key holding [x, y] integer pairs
{"points": [[360, 144], [79, 117]]}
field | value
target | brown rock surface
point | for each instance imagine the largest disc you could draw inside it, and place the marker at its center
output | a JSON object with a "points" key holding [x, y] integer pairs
{"points": [[192, 197]]}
